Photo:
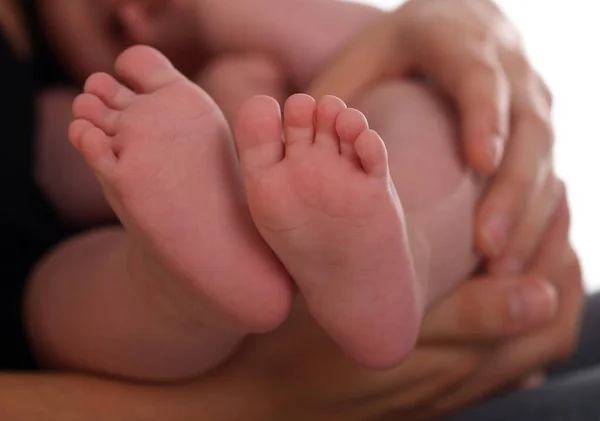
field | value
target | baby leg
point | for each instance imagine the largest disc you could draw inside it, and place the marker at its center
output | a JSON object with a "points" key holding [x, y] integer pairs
{"points": [[163, 154], [232, 79], [439, 192]]}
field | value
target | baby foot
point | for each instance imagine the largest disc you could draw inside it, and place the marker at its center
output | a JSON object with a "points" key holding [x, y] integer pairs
{"points": [[324, 201], [164, 156]]}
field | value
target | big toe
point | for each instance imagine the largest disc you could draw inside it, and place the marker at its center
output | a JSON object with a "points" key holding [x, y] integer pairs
{"points": [[258, 134], [145, 69]]}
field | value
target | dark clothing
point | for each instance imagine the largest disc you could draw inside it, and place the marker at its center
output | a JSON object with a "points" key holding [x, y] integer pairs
{"points": [[28, 225]]}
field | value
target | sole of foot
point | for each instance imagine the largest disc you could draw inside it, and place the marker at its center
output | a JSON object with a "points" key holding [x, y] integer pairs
{"points": [[320, 193], [164, 156]]}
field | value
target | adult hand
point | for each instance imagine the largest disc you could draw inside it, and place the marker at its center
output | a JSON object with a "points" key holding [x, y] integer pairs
{"points": [[511, 360], [473, 53], [298, 373], [490, 334]]}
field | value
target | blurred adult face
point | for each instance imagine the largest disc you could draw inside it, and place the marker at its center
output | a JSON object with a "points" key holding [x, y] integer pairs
{"points": [[88, 35]]}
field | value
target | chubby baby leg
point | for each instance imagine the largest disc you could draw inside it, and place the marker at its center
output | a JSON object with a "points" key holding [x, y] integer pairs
{"points": [[439, 192], [162, 152]]}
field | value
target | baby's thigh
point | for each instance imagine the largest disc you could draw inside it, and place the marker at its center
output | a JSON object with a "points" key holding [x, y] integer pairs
{"points": [[421, 133], [234, 78], [438, 191]]}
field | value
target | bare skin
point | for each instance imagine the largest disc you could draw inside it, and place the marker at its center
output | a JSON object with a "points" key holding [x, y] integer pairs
{"points": [[273, 378], [155, 255], [325, 202], [438, 191], [214, 300], [442, 42], [66, 397], [51, 356]]}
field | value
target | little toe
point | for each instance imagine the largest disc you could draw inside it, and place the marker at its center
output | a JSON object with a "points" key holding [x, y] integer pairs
{"points": [[90, 107], [258, 134], [111, 92], [299, 122], [349, 125], [328, 110], [145, 69], [94, 145], [372, 153]]}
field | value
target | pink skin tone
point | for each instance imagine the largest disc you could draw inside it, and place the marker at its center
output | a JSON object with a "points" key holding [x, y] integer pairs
{"points": [[159, 177], [234, 25], [439, 192], [220, 314], [111, 117], [226, 25], [194, 308], [325, 202]]}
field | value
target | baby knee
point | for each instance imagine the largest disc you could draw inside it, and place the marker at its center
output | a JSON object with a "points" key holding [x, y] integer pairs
{"points": [[415, 109]]}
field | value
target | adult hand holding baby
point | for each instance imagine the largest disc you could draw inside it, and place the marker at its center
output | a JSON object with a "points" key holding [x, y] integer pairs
{"points": [[298, 373], [473, 343], [472, 52]]}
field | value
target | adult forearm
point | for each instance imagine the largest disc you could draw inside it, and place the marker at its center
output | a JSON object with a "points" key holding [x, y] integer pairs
{"points": [[72, 398], [225, 395]]}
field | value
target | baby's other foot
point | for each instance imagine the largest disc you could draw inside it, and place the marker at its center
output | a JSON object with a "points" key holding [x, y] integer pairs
{"points": [[163, 153], [322, 197]]}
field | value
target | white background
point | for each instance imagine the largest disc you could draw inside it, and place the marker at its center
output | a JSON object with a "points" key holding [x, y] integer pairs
{"points": [[563, 41]]}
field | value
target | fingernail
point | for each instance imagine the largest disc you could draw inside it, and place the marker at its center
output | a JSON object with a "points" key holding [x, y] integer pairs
{"points": [[496, 149], [532, 304], [496, 232]]}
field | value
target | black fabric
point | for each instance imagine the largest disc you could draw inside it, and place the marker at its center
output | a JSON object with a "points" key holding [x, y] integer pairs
{"points": [[28, 225]]}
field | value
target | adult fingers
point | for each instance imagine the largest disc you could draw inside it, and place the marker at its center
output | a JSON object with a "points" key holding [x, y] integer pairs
{"points": [[557, 260], [464, 62], [536, 351], [526, 238], [490, 309], [527, 162]]}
